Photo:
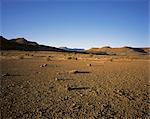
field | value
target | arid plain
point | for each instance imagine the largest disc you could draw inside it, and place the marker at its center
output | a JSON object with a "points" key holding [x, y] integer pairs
{"points": [[57, 85]]}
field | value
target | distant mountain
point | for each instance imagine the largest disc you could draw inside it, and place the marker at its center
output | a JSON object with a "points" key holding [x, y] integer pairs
{"points": [[72, 49], [119, 51], [23, 41], [23, 44]]}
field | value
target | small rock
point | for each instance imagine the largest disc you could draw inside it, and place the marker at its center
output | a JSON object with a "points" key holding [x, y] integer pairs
{"points": [[68, 88], [38, 72], [44, 65], [21, 86], [74, 105], [58, 73], [66, 98], [7, 74], [56, 79], [89, 65], [73, 72]]}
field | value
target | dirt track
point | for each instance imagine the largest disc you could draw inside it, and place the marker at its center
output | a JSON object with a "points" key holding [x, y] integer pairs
{"points": [[35, 86]]}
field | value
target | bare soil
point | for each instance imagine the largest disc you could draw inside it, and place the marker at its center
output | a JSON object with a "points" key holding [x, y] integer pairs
{"points": [[51, 85]]}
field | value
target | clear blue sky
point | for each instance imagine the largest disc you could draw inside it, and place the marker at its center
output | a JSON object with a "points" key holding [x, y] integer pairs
{"points": [[77, 23]]}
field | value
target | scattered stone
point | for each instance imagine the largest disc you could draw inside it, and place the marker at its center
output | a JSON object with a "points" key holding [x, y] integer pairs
{"points": [[76, 58], [73, 58], [44, 65], [56, 79], [69, 57], [66, 98], [58, 73], [38, 72], [73, 105], [68, 88], [77, 88], [76, 71], [21, 57], [27, 54], [73, 72], [7, 74], [21, 86], [89, 65]]}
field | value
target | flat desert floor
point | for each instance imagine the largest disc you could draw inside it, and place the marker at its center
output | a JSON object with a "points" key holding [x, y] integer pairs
{"points": [[51, 85]]}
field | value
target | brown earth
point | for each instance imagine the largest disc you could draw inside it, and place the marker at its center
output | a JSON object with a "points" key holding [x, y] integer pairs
{"points": [[50, 85]]}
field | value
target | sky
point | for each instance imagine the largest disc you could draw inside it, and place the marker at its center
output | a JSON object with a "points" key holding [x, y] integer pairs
{"points": [[77, 23]]}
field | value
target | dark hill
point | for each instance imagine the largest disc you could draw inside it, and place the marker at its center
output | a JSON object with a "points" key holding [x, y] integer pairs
{"points": [[23, 44]]}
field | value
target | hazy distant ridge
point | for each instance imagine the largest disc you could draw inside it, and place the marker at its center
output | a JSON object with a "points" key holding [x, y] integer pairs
{"points": [[72, 49]]}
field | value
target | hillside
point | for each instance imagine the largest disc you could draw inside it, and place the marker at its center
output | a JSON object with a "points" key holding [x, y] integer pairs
{"points": [[119, 51], [23, 44]]}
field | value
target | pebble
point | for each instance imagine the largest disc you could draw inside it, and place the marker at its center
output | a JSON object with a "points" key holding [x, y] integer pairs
{"points": [[7, 74], [74, 105], [44, 65], [56, 79], [66, 97], [89, 65], [58, 73], [73, 72]]}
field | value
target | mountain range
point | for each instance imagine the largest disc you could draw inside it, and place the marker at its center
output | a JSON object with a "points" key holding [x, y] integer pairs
{"points": [[72, 49], [23, 44]]}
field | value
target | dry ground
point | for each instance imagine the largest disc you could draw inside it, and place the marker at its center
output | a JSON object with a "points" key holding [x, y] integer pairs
{"points": [[50, 85]]}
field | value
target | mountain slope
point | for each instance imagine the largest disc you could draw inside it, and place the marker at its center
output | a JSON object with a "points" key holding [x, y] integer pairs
{"points": [[119, 51], [23, 44]]}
